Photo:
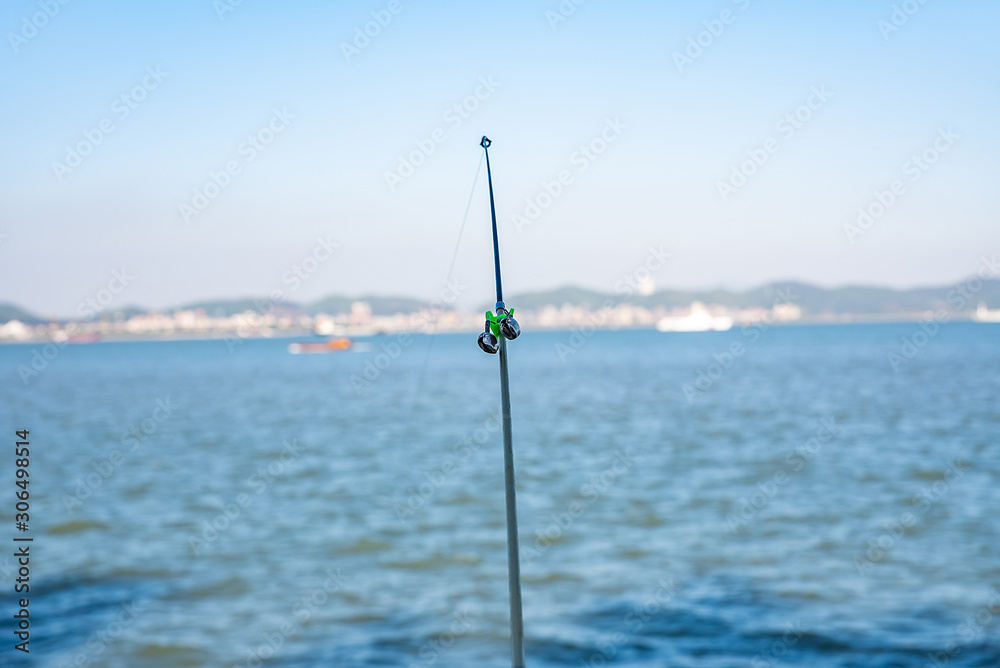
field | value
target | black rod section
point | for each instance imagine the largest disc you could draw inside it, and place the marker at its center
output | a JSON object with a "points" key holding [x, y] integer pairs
{"points": [[485, 143]]}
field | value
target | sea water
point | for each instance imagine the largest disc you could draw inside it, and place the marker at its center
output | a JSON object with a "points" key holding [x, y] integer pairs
{"points": [[827, 496]]}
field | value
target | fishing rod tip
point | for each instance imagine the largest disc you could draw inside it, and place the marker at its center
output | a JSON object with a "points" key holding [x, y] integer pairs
{"points": [[485, 143]]}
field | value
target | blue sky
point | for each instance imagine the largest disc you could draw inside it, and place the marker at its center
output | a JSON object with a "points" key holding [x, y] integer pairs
{"points": [[349, 122]]}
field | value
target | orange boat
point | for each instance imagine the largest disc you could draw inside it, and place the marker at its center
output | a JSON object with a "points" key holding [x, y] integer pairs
{"points": [[333, 345]]}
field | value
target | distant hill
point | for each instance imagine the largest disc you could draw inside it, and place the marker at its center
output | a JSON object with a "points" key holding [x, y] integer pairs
{"points": [[223, 308], [816, 302], [123, 313], [335, 304], [10, 311], [813, 300], [566, 295], [332, 304]]}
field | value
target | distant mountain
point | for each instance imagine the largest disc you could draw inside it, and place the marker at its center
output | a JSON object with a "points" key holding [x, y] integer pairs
{"points": [[332, 305], [335, 304], [814, 301], [123, 313], [14, 312], [565, 295], [223, 308]]}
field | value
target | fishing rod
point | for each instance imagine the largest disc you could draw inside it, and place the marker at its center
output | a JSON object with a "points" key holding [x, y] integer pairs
{"points": [[501, 327]]}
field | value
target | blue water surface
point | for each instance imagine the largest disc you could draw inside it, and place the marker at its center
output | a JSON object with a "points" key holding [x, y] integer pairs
{"points": [[820, 499]]}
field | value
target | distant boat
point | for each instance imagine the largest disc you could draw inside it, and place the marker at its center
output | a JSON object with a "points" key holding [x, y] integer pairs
{"points": [[983, 314], [332, 345], [700, 319]]}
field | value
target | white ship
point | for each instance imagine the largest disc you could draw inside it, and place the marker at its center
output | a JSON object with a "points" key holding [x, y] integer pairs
{"points": [[983, 314], [700, 319]]}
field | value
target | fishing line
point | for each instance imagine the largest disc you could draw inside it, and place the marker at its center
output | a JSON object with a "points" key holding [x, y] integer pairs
{"points": [[447, 282], [465, 218]]}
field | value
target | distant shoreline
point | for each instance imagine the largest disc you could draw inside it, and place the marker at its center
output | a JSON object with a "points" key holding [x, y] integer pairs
{"points": [[289, 335]]}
